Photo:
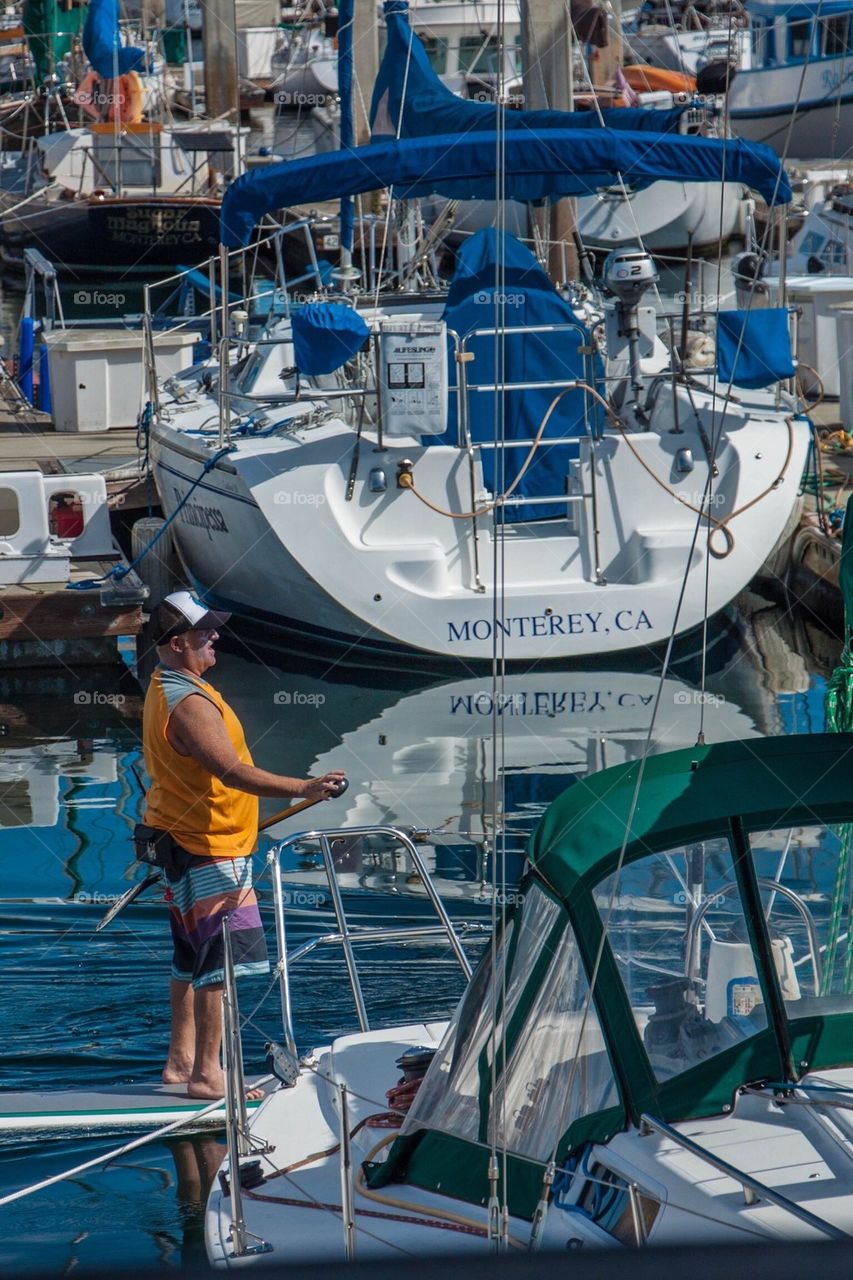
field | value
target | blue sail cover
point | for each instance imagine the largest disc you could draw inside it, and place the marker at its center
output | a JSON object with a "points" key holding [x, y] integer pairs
{"points": [[409, 100], [102, 42], [499, 283], [754, 347], [325, 336], [536, 165]]}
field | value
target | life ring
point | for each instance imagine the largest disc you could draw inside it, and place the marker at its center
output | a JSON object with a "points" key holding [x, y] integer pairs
{"points": [[118, 100]]}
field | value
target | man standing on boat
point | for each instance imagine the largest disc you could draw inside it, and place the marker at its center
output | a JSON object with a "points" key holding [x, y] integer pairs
{"points": [[201, 818]]}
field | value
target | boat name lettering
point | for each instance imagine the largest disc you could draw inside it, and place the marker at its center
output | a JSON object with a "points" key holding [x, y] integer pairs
{"points": [[547, 624], [544, 702], [209, 518]]}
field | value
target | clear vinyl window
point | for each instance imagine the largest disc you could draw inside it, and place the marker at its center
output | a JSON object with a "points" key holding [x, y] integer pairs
{"points": [[559, 1068], [678, 932], [804, 874]]}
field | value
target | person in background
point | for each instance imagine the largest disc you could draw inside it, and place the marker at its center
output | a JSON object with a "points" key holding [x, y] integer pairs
{"points": [[201, 815]]}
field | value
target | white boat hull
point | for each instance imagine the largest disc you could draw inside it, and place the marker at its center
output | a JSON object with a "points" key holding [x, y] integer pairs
{"points": [[761, 105], [664, 216], [699, 1204], [268, 532]]}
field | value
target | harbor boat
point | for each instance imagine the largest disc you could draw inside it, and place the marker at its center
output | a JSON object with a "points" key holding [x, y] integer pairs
{"points": [[680, 38], [462, 43], [824, 242], [293, 505], [137, 197], [797, 93], [670, 1060], [57, 554], [668, 217]]}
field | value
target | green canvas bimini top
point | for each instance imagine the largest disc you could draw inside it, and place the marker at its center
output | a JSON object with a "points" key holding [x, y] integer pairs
{"points": [[690, 795], [781, 789]]}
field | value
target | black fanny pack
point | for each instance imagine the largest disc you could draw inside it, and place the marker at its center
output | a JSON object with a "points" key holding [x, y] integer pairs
{"points": [[156, 848]]}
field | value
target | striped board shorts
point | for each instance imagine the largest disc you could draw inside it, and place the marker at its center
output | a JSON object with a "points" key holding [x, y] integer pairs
{"points": [[200, 892]]}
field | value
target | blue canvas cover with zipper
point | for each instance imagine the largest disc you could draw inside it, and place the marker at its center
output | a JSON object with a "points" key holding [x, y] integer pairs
{"points": [[499, 282]]}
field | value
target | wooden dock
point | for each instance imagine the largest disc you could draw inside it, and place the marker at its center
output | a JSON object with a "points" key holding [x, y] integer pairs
{"points": [[27, 439], [49, 623]]}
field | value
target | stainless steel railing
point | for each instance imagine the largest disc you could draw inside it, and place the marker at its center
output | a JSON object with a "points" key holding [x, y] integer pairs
{"points": [[346, 937]]}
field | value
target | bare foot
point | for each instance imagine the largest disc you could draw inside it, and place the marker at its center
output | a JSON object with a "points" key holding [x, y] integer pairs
{"points": [[209, 1089], [177, 1073]]}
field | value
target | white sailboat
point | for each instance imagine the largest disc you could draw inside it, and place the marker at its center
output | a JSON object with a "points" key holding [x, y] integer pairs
{"points": [[797, 93], [461, 39], [681, 39], [670, 1061], [377, 496]]}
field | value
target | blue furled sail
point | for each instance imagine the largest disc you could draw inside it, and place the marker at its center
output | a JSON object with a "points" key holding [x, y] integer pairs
{"points": [[102, 42], [526, 299], [536, 165], [409, 100]]}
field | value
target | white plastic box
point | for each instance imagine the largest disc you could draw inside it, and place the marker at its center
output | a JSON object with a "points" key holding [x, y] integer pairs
{"points": [[97, 375], [818, 296]]}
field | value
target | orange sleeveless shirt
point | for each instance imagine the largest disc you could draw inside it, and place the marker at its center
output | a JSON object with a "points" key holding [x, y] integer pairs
{"points": [[203, 815]]}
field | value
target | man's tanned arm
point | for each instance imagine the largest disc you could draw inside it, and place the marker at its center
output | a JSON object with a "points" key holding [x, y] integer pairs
{"points": [[196, 729]]}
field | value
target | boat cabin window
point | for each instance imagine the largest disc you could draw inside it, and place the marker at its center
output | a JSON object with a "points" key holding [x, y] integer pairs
{"points": [[544, 1036], [678, 932], [479, 55], [804, 874], [763, 42], [799, 38], [65, 515], [10, 513], [835, 36], [448, 1099], [437, 53]]}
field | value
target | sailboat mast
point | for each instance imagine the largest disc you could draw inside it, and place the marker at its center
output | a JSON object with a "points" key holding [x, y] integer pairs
{"points": [[220, 60], [547, 54]]}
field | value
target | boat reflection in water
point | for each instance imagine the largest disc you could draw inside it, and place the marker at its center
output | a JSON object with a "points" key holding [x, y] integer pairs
{"points": [[459, 761]]}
